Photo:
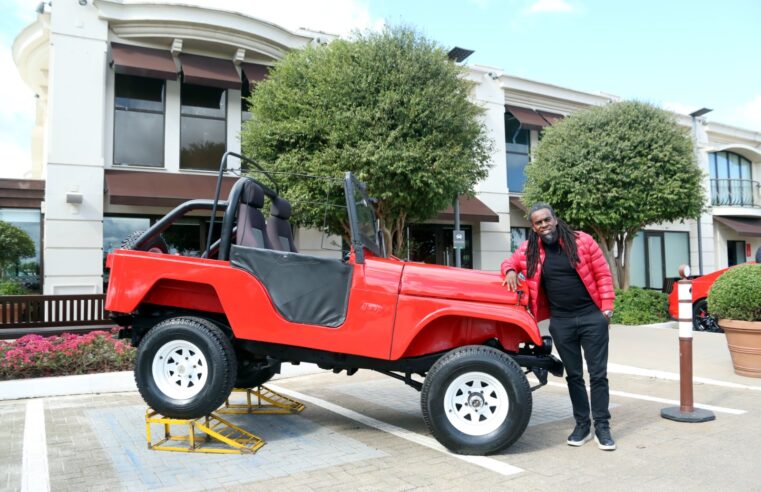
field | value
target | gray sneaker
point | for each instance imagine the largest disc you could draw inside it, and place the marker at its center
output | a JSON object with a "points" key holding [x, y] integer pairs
{"points": [[581, 434]]}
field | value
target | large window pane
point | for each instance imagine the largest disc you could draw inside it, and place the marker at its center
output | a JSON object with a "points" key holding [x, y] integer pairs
{"points": [[27, 270], [677, 249], [637, 262], [139, 121], [203, 127], [139, 138], [655, 261], [517, 141], [116, 229], [517, 236]]}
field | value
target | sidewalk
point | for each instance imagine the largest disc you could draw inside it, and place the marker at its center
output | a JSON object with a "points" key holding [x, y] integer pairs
{"points": [[366, 432]]}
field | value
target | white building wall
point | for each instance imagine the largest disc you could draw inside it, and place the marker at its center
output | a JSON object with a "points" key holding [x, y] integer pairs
{"points": [[75, 149], [491, 240]]}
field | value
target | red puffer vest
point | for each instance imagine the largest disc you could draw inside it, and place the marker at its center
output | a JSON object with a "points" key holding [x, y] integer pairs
{"points": [[592, 269]]}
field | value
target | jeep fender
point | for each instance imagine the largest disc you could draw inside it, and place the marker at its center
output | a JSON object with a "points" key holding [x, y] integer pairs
{"points": [[425, 326]]}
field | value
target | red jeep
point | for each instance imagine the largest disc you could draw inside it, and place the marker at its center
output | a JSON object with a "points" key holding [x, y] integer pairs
{"points": [[205, 325]]}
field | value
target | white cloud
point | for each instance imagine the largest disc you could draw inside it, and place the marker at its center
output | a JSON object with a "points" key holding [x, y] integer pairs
{"points": [[17, 107], [15, 159], [748, 115], [544, 6], [678, 107]]}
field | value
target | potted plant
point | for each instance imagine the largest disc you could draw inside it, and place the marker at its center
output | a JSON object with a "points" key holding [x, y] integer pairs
{"points": [[735, 299]]}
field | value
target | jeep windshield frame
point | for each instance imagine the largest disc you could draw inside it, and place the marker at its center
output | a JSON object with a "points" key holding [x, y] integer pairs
{"points": [[362, 221]]}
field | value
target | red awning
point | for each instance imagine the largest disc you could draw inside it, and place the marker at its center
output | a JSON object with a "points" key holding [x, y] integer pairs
{"points": [[212, 72], [143, 62], [528, 118], [254, 72], [471, 209], [741, 225], [551, 118], [161, 189]]}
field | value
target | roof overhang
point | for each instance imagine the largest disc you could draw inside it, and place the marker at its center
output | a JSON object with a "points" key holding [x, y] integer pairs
{"points": [[742, 226], [471, 209], [161, 189]]}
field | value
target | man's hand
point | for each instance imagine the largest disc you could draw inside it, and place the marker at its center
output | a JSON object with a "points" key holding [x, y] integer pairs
{"points": [[511, 281]]}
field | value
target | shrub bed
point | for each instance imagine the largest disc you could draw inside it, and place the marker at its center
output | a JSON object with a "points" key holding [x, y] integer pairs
{"points": [[34, 356], [638, 306]]}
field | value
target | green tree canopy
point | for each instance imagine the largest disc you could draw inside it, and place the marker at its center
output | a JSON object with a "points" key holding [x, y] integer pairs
{"points": [[614, 169], [14, 245], [390, 107]]}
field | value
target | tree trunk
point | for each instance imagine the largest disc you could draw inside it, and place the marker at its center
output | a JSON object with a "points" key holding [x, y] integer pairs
{"points": [[627, 258], [606, 244]]}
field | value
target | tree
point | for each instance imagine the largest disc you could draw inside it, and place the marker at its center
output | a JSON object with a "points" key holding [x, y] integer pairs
{"points": [[14, 245], [614, 169], [390, 107]]}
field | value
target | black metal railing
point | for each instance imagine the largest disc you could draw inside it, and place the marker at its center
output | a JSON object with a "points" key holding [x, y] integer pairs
{"points": [[735, 193]]}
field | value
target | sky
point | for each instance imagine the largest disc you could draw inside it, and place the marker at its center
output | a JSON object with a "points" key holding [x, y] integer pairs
{"points": [[678, 54]]}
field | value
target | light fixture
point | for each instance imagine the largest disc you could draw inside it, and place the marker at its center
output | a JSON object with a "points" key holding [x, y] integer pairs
{"points": [[82, 2], [74, 197], [458, 55], [700, 112]]}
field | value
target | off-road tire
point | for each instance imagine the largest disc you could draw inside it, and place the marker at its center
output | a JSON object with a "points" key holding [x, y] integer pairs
{"points": [[156, 245], [505, 400], [185, 368], [702, 320]]}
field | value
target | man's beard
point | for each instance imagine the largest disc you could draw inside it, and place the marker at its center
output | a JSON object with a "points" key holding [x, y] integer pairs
{"points": [[550, 238]]}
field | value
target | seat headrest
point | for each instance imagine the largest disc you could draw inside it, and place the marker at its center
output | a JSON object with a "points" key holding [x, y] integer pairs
{"points": [[252, 195], [280, 208]]}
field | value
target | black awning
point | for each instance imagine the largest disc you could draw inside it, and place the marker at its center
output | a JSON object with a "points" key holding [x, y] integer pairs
{"points": [[741, 225]]}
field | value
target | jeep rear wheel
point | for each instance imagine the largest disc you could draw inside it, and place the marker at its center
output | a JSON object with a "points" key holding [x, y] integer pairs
{"points": [[476, 400], [184, 368]]}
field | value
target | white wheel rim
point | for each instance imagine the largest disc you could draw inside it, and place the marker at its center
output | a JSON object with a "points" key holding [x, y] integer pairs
{"points": [[180, 369], [476, 403]]}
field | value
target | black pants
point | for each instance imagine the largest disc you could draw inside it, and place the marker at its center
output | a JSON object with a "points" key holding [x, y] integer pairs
{"points": [[590, 333]]}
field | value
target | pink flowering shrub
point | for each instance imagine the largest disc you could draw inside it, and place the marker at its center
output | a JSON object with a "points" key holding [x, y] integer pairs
{"points": [[34, 356]]}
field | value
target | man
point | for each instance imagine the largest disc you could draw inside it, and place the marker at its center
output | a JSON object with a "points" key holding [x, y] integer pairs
{"points": [[569, 282]]}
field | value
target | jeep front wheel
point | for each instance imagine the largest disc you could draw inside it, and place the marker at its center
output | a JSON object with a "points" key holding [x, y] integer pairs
{"points": [[476, 400], [185, 369]]}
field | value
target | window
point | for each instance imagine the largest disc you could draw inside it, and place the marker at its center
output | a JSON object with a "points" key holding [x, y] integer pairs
{"points": [[517, 236], [517, 142], [657, 255], [736, 253], [26, 270], [432, 243], [139, 121], [731, 179], [203, 127], [245, 93]]}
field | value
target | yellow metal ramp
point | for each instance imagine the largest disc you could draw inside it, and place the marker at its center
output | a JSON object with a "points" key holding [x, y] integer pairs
{"points": [[260, 400], [212, 433]]}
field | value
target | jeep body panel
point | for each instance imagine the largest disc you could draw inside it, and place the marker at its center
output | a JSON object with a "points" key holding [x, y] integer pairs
{"points": [[380, 323]]}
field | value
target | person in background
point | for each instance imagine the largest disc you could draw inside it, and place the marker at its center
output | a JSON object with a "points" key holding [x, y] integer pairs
{"points": [[569, 282]]}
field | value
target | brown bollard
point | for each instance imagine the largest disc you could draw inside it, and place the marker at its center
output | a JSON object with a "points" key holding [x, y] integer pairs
{"points": [[686, 411]]}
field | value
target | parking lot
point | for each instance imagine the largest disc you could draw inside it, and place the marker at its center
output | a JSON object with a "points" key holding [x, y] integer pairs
{"points": [[366, 432]]}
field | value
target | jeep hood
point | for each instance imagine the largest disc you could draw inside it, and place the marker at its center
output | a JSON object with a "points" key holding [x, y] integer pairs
{"points": [[443, 282]]}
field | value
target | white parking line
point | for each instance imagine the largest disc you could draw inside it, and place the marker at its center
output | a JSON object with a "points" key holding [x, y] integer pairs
{"points": [[732, 411], [482, 461], [672, 376], [34, 464]]}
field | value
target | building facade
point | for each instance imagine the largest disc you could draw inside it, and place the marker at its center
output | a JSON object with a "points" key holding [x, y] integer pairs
{"points": [[137, 103]]}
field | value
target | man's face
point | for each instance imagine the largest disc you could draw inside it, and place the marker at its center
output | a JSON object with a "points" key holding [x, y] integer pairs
{"points": [[545, 225]]}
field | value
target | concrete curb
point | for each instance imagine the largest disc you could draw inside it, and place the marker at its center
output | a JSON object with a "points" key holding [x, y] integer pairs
{"points": [[108, 382], [671, 325]]}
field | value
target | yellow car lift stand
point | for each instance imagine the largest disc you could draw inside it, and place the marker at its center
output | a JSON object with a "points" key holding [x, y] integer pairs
{"points": [[212, 433]]}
